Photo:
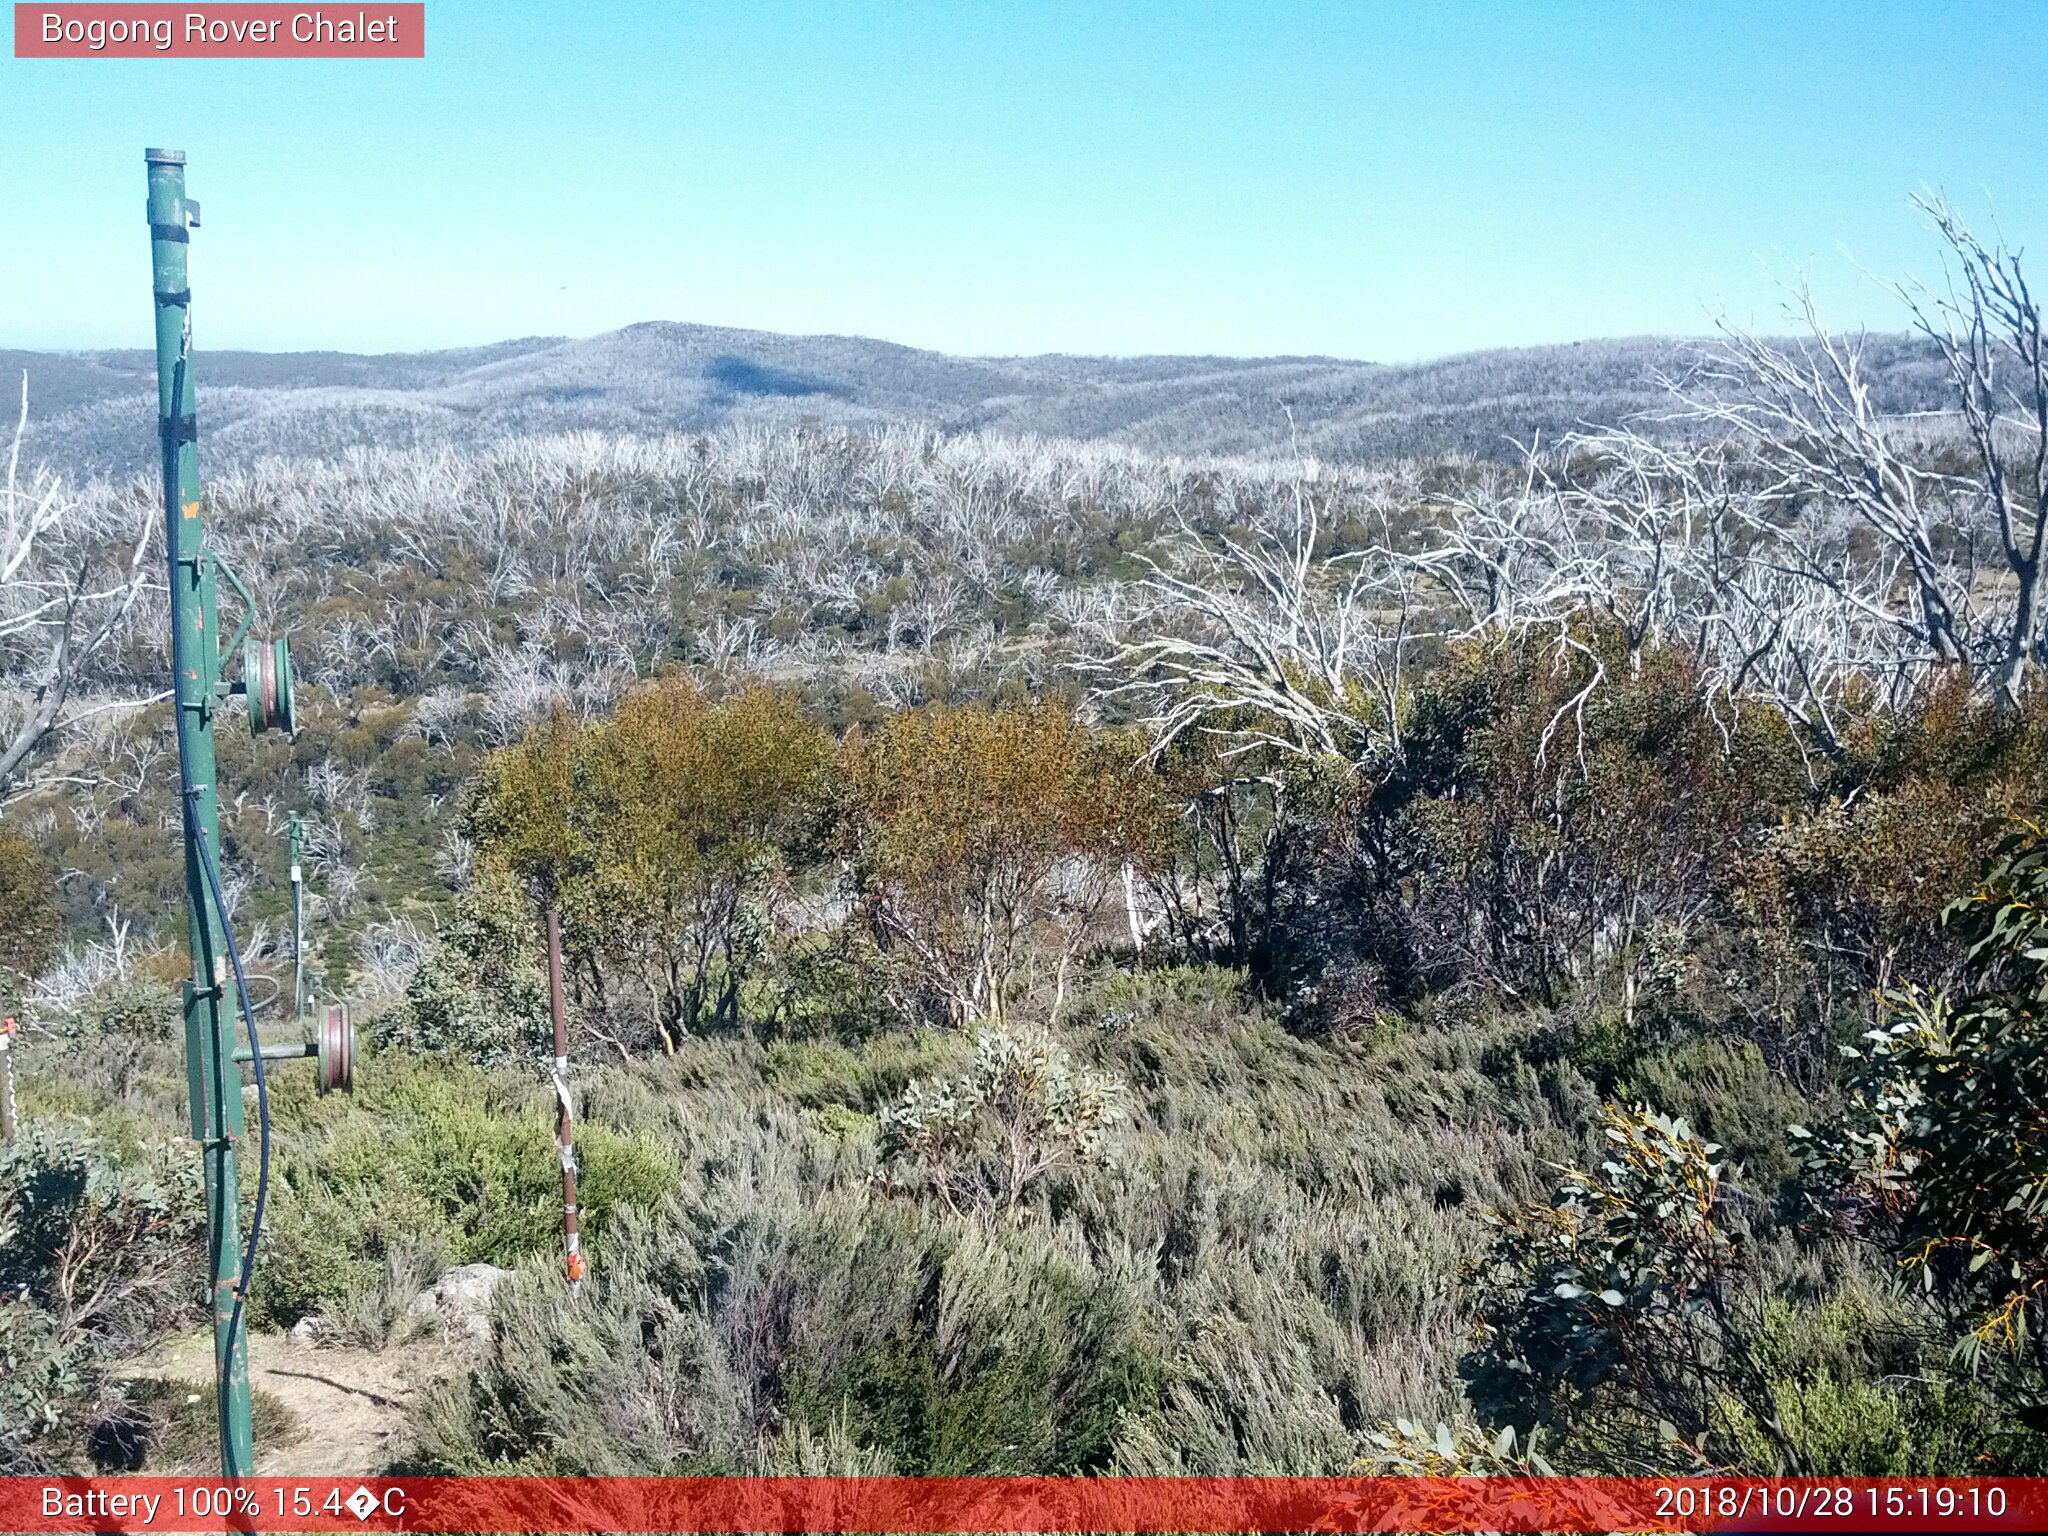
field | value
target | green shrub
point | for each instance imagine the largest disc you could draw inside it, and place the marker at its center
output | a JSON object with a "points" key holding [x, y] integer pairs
{"points": [[1404, 1449], [1857, 1382], [1729, 1092], [981, 836], [169, 1425], [133, 1006], [819, 1073], [1022, 1112], [308, 1260], [1941, 1154], [98, 1243], [823, 986], [384, 1311], [1037, 1376], [1191, 997], [660, 834], [1554, 817], [1614, 1309], [481, 994], [814, 1073], [711, 1347], [96, 1256], [49, 1385], [1862, 1428], [1601, 1041], [29, 915], [432, 1153]]}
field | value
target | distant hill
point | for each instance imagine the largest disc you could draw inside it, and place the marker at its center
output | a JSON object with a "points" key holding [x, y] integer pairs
{"points": [[94, 412]]}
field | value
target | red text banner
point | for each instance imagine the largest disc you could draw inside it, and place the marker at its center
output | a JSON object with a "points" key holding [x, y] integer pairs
{"points": [[1020, 1504], [237, 31]]}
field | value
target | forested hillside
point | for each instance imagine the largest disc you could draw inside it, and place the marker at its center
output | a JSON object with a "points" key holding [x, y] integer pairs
{"points": [[93, 409], [1082, 960]]}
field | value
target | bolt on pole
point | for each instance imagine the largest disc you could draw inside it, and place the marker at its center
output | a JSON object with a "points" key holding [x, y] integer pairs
{"points": [[215, 1081], [298, 926]]}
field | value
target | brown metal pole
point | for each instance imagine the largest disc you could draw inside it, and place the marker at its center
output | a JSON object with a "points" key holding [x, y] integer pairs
{"points": [[565, 1110], [7, 1111]]}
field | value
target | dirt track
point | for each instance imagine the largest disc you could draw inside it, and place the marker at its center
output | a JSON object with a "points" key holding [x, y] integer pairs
{"points": [[345, 1404]]}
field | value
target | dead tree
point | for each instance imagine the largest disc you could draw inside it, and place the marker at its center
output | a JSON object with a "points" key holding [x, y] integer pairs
{"points": [[1987, 324], [1264, 642], [65, 588], [1952, 563], [1823, 443]]}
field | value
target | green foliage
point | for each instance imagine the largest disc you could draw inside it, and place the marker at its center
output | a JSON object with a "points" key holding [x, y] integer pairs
{"points": [[93, 1251], [1190, 997], [1043, 1389], [1589, 831], [687, 811], [135, 1006], [823, 984], [48, 1387], [926, 1343], [819, 1073], [1942, 1152], [170, 1425], [1216, 878], [29, 915], [1402, 1449], [1727, 1090], [437, 1156], [1626, 1319], [1861, 1428], [384, 1311], [95, 1241], [1582, 875], [1265, 1188], [482, 993], [1022, 1112], [1857, 1383], [1842, 901], [1621, 1296], [1576, 803], [520, 808]]}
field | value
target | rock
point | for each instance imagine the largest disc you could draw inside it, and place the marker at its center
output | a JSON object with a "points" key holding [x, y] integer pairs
{"points": [[462, 1297]]}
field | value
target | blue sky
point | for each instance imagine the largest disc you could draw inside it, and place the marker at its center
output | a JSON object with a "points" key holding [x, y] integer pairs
{"points": [[1359, 179]]}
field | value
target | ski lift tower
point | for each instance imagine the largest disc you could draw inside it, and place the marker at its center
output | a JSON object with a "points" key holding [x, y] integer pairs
{"points": [[216, 992]]}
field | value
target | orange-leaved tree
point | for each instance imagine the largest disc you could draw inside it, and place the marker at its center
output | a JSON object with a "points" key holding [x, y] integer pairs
{"points": [[686, 812], [979, 835], [518, 814], [658, 834]]}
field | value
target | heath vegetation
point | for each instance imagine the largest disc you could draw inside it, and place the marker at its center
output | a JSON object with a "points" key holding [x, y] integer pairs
{"points": [[1086, 961]]}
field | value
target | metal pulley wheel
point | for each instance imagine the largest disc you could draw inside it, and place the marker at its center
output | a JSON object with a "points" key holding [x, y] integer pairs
{"points": [[267, 678], [337, 1049]]}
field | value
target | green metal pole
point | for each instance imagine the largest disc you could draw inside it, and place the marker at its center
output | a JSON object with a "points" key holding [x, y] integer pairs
{"points": [[216, 1083]]}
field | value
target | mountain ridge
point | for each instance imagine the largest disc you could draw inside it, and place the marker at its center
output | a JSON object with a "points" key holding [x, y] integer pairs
{"points": [[92, 412]]}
